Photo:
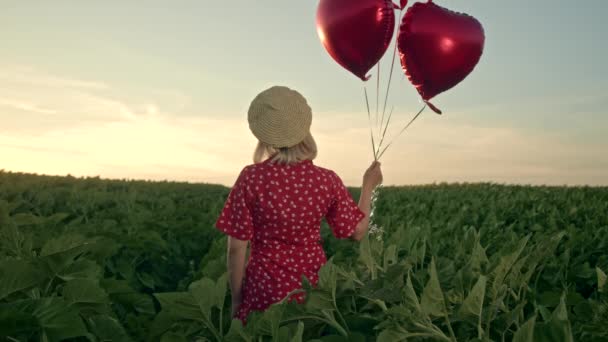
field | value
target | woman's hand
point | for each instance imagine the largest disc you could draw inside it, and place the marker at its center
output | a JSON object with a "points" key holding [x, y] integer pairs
{"points": [[373, 176], [371, 179]]}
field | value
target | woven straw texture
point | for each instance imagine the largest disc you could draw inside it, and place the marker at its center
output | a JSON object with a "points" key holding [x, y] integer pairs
{"points": [[280, 117]]}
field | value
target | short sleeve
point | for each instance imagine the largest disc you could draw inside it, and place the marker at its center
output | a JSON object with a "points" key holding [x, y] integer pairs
{"points": [[236, 218], [343, 214]]}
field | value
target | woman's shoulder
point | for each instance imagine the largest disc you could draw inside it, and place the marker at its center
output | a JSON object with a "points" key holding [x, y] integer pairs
{"points": [[330, 175], [248, 169], [255, 170], [325, 171]]}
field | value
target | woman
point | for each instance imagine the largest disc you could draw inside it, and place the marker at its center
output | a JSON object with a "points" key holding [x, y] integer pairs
{"points": [[278, 202]]}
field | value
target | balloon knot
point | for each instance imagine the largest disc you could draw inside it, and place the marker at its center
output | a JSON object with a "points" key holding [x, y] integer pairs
{"points": [[433, 108]]}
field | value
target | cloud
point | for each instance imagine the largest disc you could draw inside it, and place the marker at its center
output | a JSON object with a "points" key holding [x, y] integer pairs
{"points": [[25, 106], [29, 92], [57, 125], [34, 102], [150, 147], [33, 77], [17, 144], [210, 150], [438, 150]]}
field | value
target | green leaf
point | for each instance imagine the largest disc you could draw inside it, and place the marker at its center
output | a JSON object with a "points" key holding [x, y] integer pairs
{"points": [[319, 300], [335, 338], [173, 337], [204, 293], [180, 304], [365, 255], [5, 211], [306, 284], [525, 333], [17, 275], [560, 313], [146, 279], [162, 323], [584, 271], [236, 333], [410, 297], [391, 335], [13, 322], [390, 256], [297, 337], [349, 281], [79, 269], [380, 303], [549, 298], [419, 253], [63, 243], [283, 334], [56, 218], [478, 258], [273, 315], [394, 274], [107, 328], [512, 316], [194, 305], [473, 304], [558, 328], [114, 286], [544, 313], [26, 219], [221, 287], [328, 277], [124, 268], [59, 253], [506, 262], [543, 249], [84, 291], [56, 319], [139, 302], [432, 297], [601, 279], [356, 337]]}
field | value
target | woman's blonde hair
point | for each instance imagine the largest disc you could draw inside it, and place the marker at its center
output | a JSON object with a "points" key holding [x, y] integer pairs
{"points": [[306, 149]]}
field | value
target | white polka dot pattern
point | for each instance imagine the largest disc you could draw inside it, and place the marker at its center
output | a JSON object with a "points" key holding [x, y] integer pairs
{"points": [[280, 208]]}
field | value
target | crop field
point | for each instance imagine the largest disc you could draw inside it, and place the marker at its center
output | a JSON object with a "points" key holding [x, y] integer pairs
{"points": [[100, 260]]}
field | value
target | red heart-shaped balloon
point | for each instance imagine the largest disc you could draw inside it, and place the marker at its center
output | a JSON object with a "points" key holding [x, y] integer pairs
{"points": [[438, 48], [357, 33]]}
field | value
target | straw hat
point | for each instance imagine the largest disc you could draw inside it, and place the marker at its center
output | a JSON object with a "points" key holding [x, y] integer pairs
{"points": [[280, 117]]}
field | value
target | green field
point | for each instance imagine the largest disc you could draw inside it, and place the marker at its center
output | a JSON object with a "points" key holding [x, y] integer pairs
{"points": [[98, 260]]}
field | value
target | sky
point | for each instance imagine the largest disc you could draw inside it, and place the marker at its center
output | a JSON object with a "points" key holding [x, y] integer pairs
{"points": [[159, 90]]}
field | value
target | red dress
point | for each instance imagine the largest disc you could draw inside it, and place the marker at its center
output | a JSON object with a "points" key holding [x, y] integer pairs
{"points": [[279, 208]]}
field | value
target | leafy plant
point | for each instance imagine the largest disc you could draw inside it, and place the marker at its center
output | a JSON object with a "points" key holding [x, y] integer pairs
{"points": [[99, 260]]}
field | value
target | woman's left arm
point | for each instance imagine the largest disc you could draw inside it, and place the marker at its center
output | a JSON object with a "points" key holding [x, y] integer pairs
{"points": [[237, 250]]}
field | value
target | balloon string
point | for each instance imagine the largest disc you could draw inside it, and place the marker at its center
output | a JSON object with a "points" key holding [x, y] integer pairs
{"points": [[374, 227], [402, 130], [371, 132], [377, 92], [390, 114], [390, 77]]}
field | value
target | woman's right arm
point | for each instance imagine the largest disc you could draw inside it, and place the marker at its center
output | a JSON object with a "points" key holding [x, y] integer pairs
{"points": [[237, 252], [371, 179]]}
